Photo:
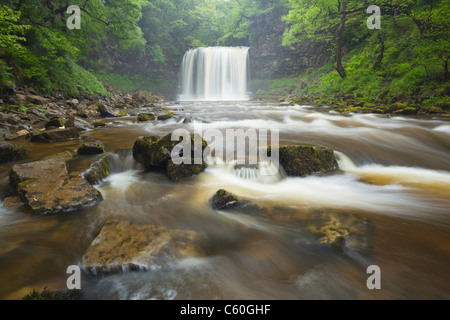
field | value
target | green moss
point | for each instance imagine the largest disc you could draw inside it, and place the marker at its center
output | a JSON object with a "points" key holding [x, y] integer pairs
{"points": [[98, 124], [167, 116], [122, 113], [142, 117], [47, 294]]}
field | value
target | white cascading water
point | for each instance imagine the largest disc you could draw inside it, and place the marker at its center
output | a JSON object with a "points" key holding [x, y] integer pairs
{"points": [[215, 73]]}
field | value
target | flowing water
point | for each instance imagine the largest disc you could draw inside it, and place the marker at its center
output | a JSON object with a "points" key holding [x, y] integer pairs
{"points": [[394, 172]]}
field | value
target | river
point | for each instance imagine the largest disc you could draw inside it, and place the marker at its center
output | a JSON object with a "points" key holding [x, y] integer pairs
{"points": [[394, 172]]}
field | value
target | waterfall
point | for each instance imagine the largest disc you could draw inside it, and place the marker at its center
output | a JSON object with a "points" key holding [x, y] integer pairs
{"points": [[215, 73]]}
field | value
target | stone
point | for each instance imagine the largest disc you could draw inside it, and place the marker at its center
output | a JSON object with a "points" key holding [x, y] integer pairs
{"points": [[46, 187], [38, 100], [166, 116], [65, 156], [10, 152], [224, 200], [99, 124], [302, 161], [106, 111], [154, 153], [19, 135], [56, 135], [142, 117], [99, 170], [91, 147], [78, 123], [56, 123], [123, 246], [341, 230], [12, 202]]}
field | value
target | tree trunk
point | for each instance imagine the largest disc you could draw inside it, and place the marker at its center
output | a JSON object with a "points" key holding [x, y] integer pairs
{"points": [[380, 57], [339, 67]]}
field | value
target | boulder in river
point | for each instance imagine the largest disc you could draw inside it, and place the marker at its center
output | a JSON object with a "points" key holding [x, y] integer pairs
{"points": [[56, 135], [55, 123], [142, 117], [106, 111], [99, 170], [124, 246], [91, 147], [46, 187], [167, 116], [155, 153], [10, 152], [302, 161], [224, 200]]}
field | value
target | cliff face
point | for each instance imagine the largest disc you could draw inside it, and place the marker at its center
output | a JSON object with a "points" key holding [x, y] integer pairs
{"points": [[269, 59]]}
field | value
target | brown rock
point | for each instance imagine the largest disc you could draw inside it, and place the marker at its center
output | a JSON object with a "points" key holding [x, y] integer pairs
{"points": [[56, 135], [47, 188], [123, 246]]}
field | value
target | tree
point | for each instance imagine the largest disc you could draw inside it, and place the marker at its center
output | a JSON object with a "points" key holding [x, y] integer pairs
{"points": [[325, 21]]}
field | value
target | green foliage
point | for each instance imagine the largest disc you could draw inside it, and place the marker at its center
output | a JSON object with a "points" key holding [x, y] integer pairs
{"points": [[130, 83]]}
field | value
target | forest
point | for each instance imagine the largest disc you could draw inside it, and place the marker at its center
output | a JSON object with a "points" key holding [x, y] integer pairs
{"points": [[137, 44]]}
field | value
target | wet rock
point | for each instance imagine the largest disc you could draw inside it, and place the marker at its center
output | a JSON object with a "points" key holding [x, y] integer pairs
{"points": [[224, 200], [142, 117], [91, 147], [123, 246], [99, 124], [106, 111], [302, 161], [65, 156], [55, 123], [166, 116], [19, 135], [80, 124], [99, 170], [47, 188], [177, 172], [56, 135], [12, 202], [10, 152], [155, 153], [339, 230], [51, 295]]}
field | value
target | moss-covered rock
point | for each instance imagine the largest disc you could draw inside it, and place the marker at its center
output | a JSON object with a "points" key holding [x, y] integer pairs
{"points": [[142, 117], [56, 135], [122, 113], [99, 124], [47, 294], [91, 147], [10, 152], [302, 161], [167, 116], [99, 170], [155, 153]]}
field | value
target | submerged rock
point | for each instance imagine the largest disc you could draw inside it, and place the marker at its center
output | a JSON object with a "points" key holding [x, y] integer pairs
{"points": [[155, 153], [99, 170], [302, 161], [224, 200], [65, 156], [57, 135], [123, 246], [91, 147], [47, 188], [10, 152], [343, 231]]}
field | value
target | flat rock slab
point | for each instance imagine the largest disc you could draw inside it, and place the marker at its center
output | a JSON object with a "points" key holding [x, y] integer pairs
{"points": [[56, 135], [123, 246], [47, 188]]}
